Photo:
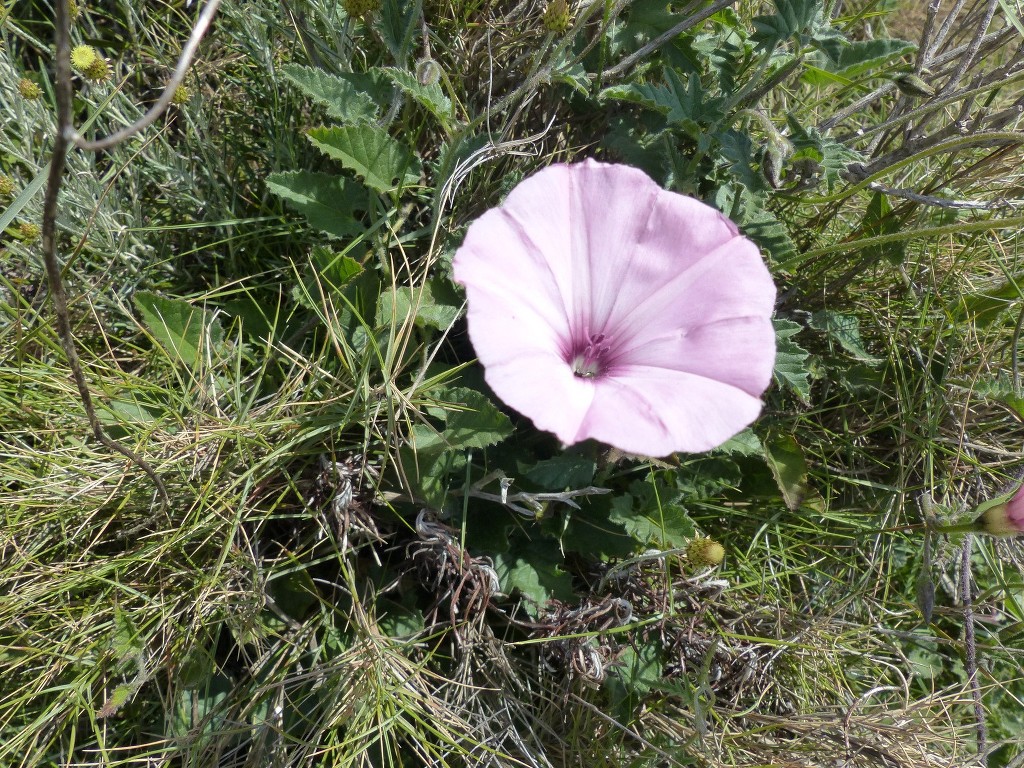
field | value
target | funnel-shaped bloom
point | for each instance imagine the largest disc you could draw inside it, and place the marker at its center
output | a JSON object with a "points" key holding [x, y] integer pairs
{"points": [[1004, 516], [602, 306]]}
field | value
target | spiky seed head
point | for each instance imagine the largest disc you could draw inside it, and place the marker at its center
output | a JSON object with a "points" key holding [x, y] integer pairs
{"points": [[28, 231], [6, 185], [98, 71], [83, 57], [181, 95], [360, 8], [703, 552], [29, 90], [556, 17], [74, 10]]}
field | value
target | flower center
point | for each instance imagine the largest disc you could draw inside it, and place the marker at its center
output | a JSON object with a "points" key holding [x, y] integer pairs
{"points": [[590, 361]]}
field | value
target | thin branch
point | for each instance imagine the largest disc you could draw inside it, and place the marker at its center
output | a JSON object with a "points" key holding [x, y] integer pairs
{"points": [[970, 644], [184, 62], [64, 137]]}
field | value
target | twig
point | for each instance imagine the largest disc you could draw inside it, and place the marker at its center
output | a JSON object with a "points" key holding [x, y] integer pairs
{"points": [[970, 645], [184, 62], [64, 137]]}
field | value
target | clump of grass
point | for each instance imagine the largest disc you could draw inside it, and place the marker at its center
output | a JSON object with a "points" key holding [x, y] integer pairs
{"points": [[294, 602]]}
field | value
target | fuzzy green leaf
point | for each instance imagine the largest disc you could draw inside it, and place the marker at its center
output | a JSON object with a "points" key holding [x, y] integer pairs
{"points": [[649, 522], [342, 96], [382, 162], [791, 359], [434, 304], [844, 330], [187, 333], [478, 425], [789, 467], [561, 472], [430, 96], [328, 202], [534, 572]]}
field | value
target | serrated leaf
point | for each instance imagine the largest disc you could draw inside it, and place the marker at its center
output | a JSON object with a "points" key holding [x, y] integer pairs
{"points": [[478, 424], [738, 149], [985, 307], [328, 202], [382, 162], [762, 226], [186, 332], [682, 102], [336, 268], [789, 467], [862, 56], [120, 696], [790, 18], [652, 524], [635, 674], [430, 96], [791, 359], [434, 304], [127, 644], [340, 93], [999, 390], [746, 443]]}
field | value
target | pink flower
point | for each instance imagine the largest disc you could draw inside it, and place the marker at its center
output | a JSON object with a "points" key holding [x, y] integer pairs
{"points": [[1005, 517], [602, 306]]}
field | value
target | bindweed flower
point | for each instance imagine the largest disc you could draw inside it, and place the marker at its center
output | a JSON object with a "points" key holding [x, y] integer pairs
{"points": [[602, 306], [1003, 516]]}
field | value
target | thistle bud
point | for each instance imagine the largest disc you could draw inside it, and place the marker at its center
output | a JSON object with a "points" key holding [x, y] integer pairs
{"points": [[181, 95], [29, 90], [556, 17], [98, 71], [6, 185], [360, 8], [28, 232], [703, 552]]}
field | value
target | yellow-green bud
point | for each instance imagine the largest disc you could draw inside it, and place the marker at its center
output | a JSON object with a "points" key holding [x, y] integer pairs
{"points": [[360, 8], [28, 231], [912, 85], [704, 552], [83, 57], [98, 71], [74, 10], [6, 185], [181, 95], [556, 17], [29, 90]]}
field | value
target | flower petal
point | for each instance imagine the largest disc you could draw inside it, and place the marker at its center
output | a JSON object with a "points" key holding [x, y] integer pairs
{"points": [[655, 412]]}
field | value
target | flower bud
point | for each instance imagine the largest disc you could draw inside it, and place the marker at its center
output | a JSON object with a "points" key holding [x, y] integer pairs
{"points": [[360, 8], [29, 90], [98, 70], [703, 552], [181, 95], [912, 85], [83, 57], [28, 231], [1003, 516], [6, 185], [556, 17]]}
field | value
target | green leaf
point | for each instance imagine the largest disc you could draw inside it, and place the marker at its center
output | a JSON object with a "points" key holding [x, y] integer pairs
{"points": [[986, 307], [862, 56], [634, 676], [790, 18], [478, 424], [381, 161], [738, 149], [292, 588], [843, 329], [651, 519], [746, 443], [683, 103], [791, 359], [336, 269], [186, 333], [789, 467], [328, 202], [434, 305], [341, 95], [562, 472], [999, 390], [879, 219], [535, 572], [430, 96]]}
